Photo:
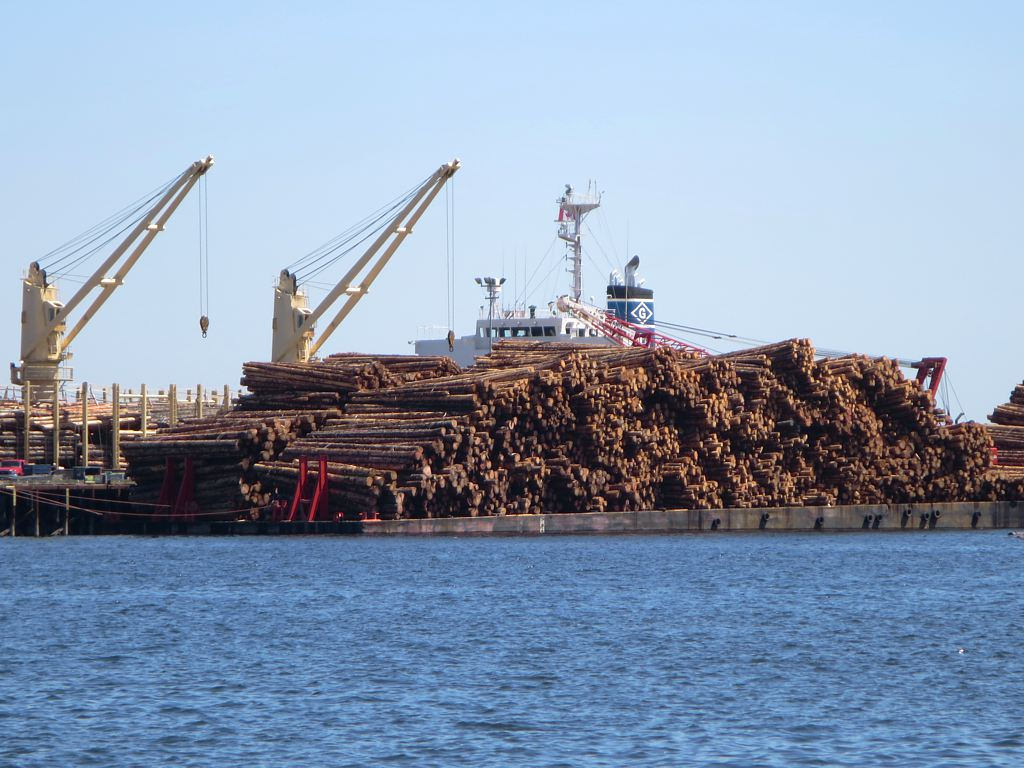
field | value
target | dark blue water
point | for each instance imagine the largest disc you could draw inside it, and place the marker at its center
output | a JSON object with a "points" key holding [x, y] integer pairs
{"points": [[738, 650]]}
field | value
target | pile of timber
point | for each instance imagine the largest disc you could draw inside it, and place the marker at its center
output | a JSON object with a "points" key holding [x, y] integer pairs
{"points": [[100, 432], [1007, 430], [224, 449], [560, 428], [330, 382], [287, 401]]}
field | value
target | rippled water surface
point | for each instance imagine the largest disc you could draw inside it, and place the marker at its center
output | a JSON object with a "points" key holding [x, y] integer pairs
{"points": [[740, 650]]}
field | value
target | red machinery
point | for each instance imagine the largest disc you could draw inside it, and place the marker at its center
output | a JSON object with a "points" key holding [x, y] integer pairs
{"points": [[310, 497], [929, 373], [179, 499], [624, 333]]}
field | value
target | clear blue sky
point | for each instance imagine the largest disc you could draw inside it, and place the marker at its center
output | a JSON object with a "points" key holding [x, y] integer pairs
{"points": [[849, 173]]}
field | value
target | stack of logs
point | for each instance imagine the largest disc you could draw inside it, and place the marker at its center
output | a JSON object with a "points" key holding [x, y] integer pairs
{"points": [[556, 428], [1007, 431], [329, 383], [224, 450], [12, 433], [286, 401]]}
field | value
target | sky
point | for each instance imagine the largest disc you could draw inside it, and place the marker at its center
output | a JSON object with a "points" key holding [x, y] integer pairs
{"points": [[844, 172]]}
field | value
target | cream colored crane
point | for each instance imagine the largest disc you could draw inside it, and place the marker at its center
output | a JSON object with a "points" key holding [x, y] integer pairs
{"points": [[44, 343], [294, 323]]}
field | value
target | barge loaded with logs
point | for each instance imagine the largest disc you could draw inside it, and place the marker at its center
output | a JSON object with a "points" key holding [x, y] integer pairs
{"points": [[578, 419], [767, 438]]}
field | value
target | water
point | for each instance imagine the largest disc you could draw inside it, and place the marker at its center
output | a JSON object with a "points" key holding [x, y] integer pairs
{"points": [[726, 650]]}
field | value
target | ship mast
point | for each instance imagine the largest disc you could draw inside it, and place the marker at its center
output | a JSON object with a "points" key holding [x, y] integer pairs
{"points": [[572, 207]]}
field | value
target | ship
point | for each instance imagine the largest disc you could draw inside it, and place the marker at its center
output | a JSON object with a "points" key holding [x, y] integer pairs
{"points": [[627, 319]]}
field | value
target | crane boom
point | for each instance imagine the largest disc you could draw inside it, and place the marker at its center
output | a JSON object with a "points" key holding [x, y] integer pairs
{"points": [[44, 343], [294, 323]]}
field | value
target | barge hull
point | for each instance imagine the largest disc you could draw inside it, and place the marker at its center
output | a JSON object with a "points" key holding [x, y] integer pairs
{"points": [[863, 517]]}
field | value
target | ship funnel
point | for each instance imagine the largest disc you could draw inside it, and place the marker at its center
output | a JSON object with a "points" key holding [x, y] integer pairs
{"points": [[631, 267], [631, 302]]}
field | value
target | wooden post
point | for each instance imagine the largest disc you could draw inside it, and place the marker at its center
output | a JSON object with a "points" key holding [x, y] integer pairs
{"points": [[172, 404], [36, 506], [227, 399], [85, 424], [115, 428], [199, 401], [14, 511], [144, 401], [67, 511], [26, 394], [56, 426]]}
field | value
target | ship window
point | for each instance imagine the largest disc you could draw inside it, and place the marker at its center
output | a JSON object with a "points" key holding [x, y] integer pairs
{"points": [[583, 332], [536, 331], [593, 332], [549, 330], [520, 333], [503, 333]]}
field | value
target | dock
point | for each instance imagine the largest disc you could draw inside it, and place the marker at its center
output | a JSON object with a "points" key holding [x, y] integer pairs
{"points": [[53, 505]]}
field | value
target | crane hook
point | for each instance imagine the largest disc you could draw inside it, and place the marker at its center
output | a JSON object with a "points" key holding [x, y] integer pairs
{"points": [[204, 324]]}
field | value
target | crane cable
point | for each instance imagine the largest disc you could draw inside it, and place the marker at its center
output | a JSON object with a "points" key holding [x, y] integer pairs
{"points": [[204, 257], [66, 257], [311, 265], [449, 227], [449, 258]]}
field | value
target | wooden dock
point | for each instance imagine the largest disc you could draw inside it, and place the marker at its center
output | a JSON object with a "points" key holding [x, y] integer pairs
{"points": [[55, 506]]}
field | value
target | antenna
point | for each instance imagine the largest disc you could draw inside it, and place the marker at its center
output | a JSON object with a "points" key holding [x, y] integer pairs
{"points": [[572, 208]]}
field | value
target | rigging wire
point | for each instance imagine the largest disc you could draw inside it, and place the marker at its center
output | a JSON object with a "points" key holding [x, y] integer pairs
{"points": [[820, 351], [710, 334], [358, 226], [540, 283], [316, 261], [947, 379], [447, 257], [597, 242], [73, 248], [603, 219], [526, 292], [944, 394], [338, 255], [84, 256], [204, 256], [206, 235], [590, 259], [451, 181]]}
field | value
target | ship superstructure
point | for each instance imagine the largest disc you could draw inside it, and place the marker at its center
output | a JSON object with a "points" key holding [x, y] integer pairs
{"points": [[566, 318]]}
